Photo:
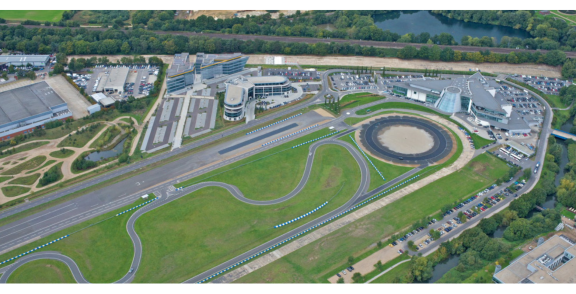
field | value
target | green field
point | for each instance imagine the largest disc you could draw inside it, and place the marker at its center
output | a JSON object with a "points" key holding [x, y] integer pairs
{"points": [[480, 142], [24, 147], [389, 171], [47, 163], [390, 276], [27, 180], [42, 271], [102, 248], [30, 164], [106, 137], [59, 154], [315, 261], [193, 234], [79, 140], [13, 191], [37, 15], [281, 171], [3, 179], [357, 99], [555, 101]]}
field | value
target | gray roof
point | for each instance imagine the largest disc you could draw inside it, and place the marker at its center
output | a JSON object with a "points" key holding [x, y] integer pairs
{"points": [[267, 79], [235, 94], [180, 64], [24, 58], [27, 101], [117, 78]]}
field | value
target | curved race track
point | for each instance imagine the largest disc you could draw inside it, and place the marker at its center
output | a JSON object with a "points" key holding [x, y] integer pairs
{"points": [[362, 189], [441, 148]]}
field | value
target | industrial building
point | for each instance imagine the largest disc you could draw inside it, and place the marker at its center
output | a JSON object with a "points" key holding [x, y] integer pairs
{"points": [[552, 261], [113, 82], [24, 60], [474, 95], [24, 109], [240, 90]]}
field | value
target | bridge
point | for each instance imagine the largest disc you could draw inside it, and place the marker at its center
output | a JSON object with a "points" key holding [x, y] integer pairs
{"points": [[563, 135]]}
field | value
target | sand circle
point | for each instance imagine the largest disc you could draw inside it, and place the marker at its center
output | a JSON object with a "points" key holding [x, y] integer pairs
{"points": [[405, 139]]}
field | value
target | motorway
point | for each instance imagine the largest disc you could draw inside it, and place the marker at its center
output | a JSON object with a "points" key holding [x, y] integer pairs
{"points": [[309, 40], [72, 212]]}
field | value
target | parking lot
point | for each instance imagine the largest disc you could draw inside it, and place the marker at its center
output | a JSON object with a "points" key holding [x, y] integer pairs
{"points": [[545, 84], [350, 82], [297, 75], [163, 124], [139, 82]]}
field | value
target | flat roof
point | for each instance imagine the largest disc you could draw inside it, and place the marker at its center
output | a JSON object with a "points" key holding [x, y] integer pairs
{"points": [[117, 78], [23, 58], [527, 268], [181, 64], [267, 79], [27, 101], [107, 101]]}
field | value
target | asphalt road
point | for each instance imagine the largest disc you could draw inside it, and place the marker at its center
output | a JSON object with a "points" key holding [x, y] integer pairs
{"points": [[380, 44], [441, 148]]}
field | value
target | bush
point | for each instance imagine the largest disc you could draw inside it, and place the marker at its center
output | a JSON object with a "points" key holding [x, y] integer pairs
{"points": [[53, 124], [51, 176]]}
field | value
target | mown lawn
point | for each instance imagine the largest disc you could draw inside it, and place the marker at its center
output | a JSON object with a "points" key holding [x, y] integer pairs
{"points": [[37, 15], [268, 175], [390, 276], [13, 191], [42, 271], [207, 227], [357, 99], [312, 262], [28, 180], [29, 164], [103, 251], [59, 154]]}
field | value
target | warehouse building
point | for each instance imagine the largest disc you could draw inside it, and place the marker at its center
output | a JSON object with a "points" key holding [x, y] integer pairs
{"points": [[240, 90], [113, 82], [551, 261], [24, 109], [24, 60], [473, 95]]}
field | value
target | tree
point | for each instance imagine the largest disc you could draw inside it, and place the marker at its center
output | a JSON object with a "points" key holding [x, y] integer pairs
{"points": [[421, 268], [527, 174], [555, 57], [488, 225], [566, 192], [379, 244], [125, 49], [412, 246], [350, 259], [340, 281], [357, 277], [379, 266], [519, 229], [435, 234]]}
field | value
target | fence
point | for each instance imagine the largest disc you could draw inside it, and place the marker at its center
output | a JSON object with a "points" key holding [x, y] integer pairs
{"points": [[273, 124], [290, 135], [30, 251], [302, 216], [320, 138]]}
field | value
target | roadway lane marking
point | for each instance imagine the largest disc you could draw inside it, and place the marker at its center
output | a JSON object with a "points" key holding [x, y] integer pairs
{"points": [[37, 223], [38, 217]]}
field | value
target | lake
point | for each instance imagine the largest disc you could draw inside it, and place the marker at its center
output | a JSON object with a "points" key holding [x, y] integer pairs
{"points": [[403, 22], [117, 150]]}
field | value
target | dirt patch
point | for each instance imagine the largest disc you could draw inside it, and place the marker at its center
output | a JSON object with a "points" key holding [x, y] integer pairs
{"points": [[323, 112], [478, 167], [529, 69], [76, 102], [333, 177]]}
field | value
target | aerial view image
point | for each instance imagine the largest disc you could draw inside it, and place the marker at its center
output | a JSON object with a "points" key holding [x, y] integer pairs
{"points": [[268, 150]]}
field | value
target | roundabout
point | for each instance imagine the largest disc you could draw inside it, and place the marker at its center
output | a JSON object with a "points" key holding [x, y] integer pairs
{"points": [[407, 140]]}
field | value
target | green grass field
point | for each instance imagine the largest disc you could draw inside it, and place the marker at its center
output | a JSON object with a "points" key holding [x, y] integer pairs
{"points": [[27, 180], [479, 142], [102, 251], [4, 179], [37, 15], [79, 140], [389, 171], [386, 266], [13, 191], [555, 101], [42, 271], [193, 234], [316, 260], [24, 147], [357, 99], [59, 154], [390, 276], [47, 163], [280, 171], [30, 164]]}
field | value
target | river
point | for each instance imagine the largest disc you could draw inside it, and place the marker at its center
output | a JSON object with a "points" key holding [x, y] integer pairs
{"points": [[443, 267], [403, 22], [117, 150]]}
